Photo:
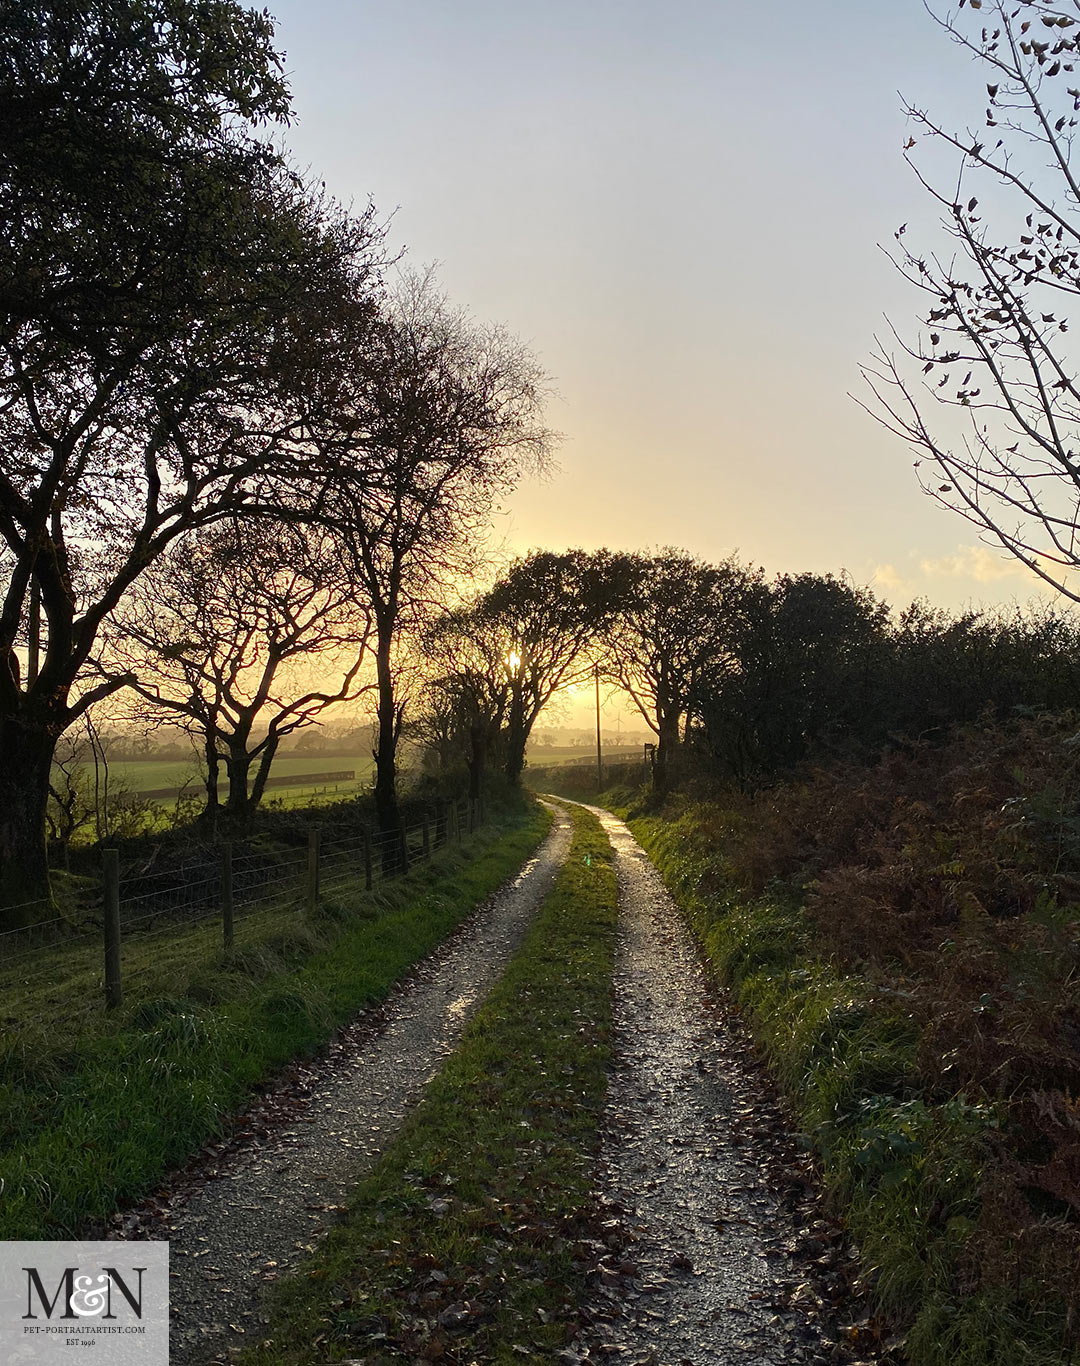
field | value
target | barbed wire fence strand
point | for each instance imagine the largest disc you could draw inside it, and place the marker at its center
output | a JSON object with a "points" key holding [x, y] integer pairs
{"points": [[185, 904]]}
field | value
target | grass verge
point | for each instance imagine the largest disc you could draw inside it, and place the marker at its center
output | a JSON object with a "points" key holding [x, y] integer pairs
{"points": [[905, 1159], [96, 1107], [464, 1242]]}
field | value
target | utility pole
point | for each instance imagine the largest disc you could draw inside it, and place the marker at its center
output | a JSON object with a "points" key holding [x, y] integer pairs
{"points": [[599, 760]]}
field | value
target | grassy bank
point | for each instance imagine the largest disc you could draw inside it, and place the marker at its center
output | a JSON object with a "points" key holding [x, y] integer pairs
{"points": [[906, 944], [462, 1243], [96, 1107]]}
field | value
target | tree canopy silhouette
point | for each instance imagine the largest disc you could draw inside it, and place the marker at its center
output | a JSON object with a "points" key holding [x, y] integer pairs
{"points": [[679, 621], [162, 276], [214, 638]]}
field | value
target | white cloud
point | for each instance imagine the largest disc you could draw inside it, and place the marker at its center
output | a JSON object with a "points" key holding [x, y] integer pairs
{"points": [[977, 562], [888, 577], [969, 574]]}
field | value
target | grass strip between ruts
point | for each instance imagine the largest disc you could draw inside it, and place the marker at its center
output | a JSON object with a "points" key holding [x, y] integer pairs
{"points": [[94, 1116], [462, 1243]]}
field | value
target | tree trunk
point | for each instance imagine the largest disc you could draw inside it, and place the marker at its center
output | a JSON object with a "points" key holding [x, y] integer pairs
{"points": [[262, 773], [213, 778], [238, 763], [26, 754], [475, 760], [666, 750], [515, 738], [385, 754]]}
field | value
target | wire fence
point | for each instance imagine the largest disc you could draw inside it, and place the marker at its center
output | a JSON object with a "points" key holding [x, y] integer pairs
{"points": [[211, 889], [626, 756]]}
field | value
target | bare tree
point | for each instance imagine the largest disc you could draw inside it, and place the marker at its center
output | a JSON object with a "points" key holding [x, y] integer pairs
{"points": [[466, 697], [220, 638], [438, 424], [994, 417], [71, 799]]}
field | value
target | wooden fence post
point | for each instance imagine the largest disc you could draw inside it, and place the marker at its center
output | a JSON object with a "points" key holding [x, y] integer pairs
{"points": [[403, 842], [114, 992], [227, 893], [427, 838], [313, 849], [367, 859]]}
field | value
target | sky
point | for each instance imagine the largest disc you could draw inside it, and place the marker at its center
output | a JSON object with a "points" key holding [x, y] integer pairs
{"points": [[680, 207]]}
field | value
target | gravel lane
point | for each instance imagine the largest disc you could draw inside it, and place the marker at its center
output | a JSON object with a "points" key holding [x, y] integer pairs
{"points": [[261, 1214], [711, 1241]]}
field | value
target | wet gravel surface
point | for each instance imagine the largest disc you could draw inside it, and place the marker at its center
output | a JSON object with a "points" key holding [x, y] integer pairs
{"points": [[257, 1210], [719, 1251]]}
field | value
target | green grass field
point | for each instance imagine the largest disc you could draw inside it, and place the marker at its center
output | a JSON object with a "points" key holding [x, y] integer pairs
{"points": [[149, 775], [146, 775], [541, 756], [96, 1105]]}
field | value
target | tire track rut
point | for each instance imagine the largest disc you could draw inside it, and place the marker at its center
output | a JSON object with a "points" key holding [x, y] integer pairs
{"points": [[712, 1255], [259, 1215]]}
